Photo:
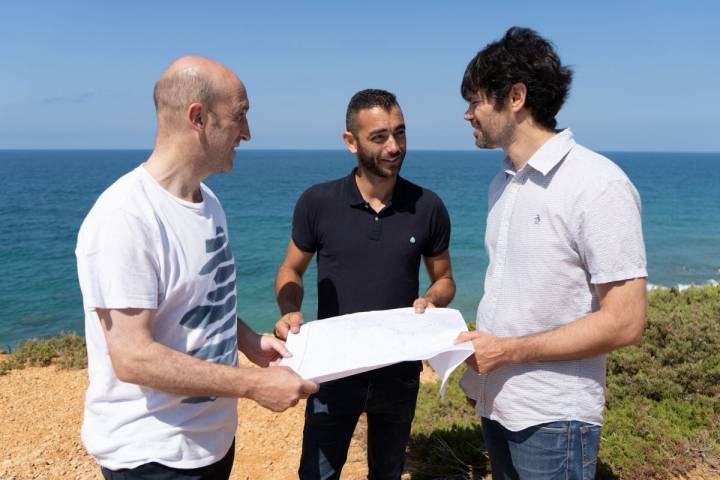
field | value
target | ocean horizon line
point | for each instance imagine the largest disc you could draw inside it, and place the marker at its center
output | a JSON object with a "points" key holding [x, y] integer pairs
{"points": [[303, 149]]}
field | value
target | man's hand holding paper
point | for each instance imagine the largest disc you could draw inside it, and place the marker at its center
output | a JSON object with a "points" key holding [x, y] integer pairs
{"points": [[342, 346]]}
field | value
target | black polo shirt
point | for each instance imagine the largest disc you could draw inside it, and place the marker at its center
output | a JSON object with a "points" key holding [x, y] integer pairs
{"points": [[368, 260]]}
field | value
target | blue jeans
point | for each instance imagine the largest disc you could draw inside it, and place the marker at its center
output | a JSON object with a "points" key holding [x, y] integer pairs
{"points": [[564, 450], [388, 396]]}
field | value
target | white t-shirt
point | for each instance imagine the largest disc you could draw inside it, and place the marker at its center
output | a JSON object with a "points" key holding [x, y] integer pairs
{"points": [[142, 247]]}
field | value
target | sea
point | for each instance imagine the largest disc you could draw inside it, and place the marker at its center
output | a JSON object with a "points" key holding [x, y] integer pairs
{"points": [[47, 193]]}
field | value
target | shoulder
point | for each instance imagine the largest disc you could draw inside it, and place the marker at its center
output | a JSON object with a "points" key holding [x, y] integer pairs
{"points": [[127, 194], [589, 173], [327, 189], [582, 162], [125, 200], [418, 194], [325, 193]]}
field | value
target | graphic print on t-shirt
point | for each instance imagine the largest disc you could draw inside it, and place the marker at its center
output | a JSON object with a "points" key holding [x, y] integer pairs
{"points": [[208, 317]]}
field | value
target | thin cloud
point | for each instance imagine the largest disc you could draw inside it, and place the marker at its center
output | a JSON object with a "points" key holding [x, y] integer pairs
{"points": [[81, 98]]}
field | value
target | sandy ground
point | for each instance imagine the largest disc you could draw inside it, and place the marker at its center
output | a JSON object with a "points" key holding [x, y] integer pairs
{"points": [[41, 412]]}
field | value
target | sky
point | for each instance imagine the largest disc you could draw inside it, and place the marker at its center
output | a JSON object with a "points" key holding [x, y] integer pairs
{"points": [[79, 74]]}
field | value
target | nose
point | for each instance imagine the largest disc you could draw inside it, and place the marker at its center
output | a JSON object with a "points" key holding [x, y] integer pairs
{"points": [[468, 114], [392, 145], [245, 131]]}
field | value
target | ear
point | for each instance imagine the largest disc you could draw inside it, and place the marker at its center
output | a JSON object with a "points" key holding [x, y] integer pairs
{"points": [[518, 94], [196, 116], [350, 141]]}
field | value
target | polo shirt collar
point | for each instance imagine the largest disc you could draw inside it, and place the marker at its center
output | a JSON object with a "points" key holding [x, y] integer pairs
{"points": [[352, 195], [548, 155]]}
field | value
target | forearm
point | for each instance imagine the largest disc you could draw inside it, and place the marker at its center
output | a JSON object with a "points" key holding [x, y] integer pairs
{"points": [[441, 292], [247, 337], [156, 366], [597, 333], [619, 322], [288, 290]]}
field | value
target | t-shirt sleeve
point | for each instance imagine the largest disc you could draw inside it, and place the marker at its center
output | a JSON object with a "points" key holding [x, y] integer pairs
{"points": [[304, 226], [439, 230], [117, 267], [609, 236]]}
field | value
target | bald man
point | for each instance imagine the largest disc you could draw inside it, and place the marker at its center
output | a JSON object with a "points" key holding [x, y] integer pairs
{"points": [[158, 282]]}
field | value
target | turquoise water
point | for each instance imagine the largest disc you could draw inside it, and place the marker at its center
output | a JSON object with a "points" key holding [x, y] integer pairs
{"points": [[46, 194]]}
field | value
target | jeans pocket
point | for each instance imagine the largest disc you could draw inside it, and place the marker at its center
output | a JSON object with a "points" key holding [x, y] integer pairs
{"points": [[559, 429], [590, 438]]}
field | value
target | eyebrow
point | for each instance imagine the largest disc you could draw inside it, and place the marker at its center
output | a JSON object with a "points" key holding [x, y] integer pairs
{"points": [[384, 130]]}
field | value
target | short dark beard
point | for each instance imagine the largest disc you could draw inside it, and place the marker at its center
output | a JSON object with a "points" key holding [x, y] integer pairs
{"points": [[369, 165], [501, 140]]}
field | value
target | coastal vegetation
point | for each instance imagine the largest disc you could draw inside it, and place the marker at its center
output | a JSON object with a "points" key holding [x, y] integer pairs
{"points": [[662, 416]]}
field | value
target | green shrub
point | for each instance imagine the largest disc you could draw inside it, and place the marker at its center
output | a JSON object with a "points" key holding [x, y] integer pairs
{"points": [[66, 350], [662, 415], [446, 439]]}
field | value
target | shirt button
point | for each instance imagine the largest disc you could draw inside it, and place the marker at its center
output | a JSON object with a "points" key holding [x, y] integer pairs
{"points": [[376, 219]]}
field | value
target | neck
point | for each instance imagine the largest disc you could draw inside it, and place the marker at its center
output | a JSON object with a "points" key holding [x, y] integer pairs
{"points": [[177, 170], [374, 190], [527, 141]]}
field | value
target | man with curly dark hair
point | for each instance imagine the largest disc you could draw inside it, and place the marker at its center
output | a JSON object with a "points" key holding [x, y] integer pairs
{"points": [[567, 274]]}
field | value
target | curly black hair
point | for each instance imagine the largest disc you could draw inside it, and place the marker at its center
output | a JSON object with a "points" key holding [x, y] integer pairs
{"points": [[521, 56], [365, 99]]}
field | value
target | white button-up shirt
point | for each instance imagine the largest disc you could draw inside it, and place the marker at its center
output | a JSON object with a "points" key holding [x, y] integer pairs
{"points": [[566, 221]]}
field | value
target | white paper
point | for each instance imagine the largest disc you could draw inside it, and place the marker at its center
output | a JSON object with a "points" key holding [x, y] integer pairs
{"points": [[341, 346]]}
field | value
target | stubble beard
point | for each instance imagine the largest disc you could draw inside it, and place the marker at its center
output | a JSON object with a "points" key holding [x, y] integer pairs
{"points": [[504, 137], [371, 165]]}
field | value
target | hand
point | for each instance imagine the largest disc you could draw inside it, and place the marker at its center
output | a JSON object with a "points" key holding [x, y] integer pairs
{"points": [[279, 388], [290, 322], [266, 350], [491, 352], [421, 304]]}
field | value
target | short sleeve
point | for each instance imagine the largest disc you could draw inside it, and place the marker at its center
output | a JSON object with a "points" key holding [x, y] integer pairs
{"points": [[116, 264], [609, 236], [439, 230], [304, 231]]}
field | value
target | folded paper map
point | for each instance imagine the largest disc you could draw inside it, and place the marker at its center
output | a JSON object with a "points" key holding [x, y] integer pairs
{"points": [[341, 346]]}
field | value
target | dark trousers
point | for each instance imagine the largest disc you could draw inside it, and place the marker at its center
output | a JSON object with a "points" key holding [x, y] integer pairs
{"points": [[388, 397], [154, 471]]}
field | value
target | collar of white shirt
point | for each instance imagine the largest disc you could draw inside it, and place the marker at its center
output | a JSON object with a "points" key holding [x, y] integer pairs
{"points": [[548, 155]]}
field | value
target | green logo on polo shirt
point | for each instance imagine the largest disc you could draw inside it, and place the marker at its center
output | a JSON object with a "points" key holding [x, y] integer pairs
{"points": [[412, 240]]}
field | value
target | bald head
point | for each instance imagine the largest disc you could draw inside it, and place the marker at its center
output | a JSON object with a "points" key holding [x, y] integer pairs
{"points": [[192, 79]]}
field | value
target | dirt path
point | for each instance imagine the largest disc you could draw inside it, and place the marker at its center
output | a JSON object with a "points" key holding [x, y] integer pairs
{"points": [[41, 412]]}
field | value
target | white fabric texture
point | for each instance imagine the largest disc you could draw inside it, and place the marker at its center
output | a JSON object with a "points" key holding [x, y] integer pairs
{"points": [[568, 220], [141, 247]]}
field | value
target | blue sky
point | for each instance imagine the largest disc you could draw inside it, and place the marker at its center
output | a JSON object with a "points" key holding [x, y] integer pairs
{"points": [[80, 74]]}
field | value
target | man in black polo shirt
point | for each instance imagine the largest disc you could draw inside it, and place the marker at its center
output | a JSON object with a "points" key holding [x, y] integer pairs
{"points": [[369, 230]]}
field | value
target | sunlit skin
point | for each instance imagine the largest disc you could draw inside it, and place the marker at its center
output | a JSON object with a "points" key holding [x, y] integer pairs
{"points": [[192, 143], [491, 128], [621, 317], [379, 142], [227, 126], [200, 140]]}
